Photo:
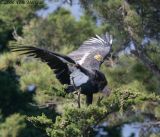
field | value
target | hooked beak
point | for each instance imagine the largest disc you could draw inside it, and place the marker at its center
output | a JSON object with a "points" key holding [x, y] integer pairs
{"points": [[106, 91]]}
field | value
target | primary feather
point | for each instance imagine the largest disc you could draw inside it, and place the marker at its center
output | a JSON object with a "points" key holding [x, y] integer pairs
{"points": [[58, 63]]}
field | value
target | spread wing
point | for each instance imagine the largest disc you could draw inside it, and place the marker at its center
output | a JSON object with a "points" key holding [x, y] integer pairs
{"points": [[92, 52], [59, 63]]}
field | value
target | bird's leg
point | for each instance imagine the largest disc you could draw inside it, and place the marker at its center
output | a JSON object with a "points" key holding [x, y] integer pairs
{"points": [[89, 99], [78, 92], [79, 99]]}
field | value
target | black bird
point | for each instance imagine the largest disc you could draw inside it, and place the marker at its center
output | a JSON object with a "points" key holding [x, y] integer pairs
{"points": [[80, 68]]}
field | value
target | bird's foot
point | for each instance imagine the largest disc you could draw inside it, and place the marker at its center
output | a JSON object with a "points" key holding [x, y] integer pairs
{"points": [[75, 92], [100, 99]]}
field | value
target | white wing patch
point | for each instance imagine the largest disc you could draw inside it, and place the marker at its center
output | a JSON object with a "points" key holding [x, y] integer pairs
{"points": [[78, 78], [80, 62], [96, 39]]}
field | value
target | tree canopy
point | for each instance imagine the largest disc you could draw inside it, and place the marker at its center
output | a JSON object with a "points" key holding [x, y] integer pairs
{"points": [[131, 21], [33, 102]]}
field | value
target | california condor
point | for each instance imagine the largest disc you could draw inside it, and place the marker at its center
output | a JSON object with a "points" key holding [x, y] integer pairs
{"points": [[80, 68]]}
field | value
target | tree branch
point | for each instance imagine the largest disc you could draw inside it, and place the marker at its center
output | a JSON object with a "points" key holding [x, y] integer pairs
{"points": [[147, 62]]}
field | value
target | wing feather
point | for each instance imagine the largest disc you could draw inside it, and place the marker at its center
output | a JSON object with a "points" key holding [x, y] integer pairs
{"points": [[86, 54], [59, 63]]}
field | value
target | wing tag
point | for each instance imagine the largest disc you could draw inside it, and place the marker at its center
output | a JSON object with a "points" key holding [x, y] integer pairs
{"points": [[98, 57]]}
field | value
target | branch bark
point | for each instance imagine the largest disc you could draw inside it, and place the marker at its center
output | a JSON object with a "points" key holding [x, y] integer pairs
{"points": [[147, 62], [140, 54]]}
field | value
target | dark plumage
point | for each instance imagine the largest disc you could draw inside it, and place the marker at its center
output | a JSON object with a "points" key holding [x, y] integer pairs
{"points": [[80, 69]]}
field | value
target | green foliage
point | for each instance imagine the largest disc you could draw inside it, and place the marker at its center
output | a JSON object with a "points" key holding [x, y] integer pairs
{"points": [[41, 121], [12, 126], [10, 91], [15, 77], [115, 109], [73, 122], [58, 31], [154, 135], [14, 16], [153, 51], [130, 73], [135, 18], [46, 81]]}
